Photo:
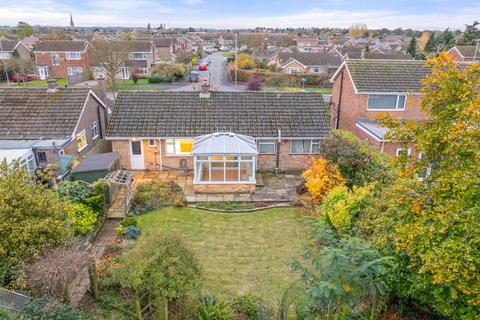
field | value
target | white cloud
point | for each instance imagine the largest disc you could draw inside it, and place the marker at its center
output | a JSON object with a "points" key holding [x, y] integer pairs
{"points": [[192, 2]]}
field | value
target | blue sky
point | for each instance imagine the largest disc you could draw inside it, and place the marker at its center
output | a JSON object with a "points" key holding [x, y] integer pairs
{"points": [[420, 14]]}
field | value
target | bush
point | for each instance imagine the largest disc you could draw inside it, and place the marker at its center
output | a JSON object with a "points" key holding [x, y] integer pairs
{"points": [[282, 80], [74, 191], [135, 77], [83, 218], [129, 221], [154, 79], [47, 309], [156, 195], [251, 307], [131, 232], [245, 61], [358, 162], [95, 203], [212, 308]]}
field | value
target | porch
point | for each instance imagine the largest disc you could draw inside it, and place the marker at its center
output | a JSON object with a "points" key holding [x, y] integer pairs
{"points": [[269, 187]]}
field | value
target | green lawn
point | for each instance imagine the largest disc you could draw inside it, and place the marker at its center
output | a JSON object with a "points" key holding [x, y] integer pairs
{"points": [[237, 252], [307, 89], [42, 83]]}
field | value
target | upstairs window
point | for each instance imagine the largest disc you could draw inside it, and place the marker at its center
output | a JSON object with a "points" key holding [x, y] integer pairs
{"points": [[81, 141], [138, 56], [94, 130], [55, 59], [386, 102], [73, 55]]}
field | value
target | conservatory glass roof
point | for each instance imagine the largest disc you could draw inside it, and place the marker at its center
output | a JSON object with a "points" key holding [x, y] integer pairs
{"points": [[226, 143]]}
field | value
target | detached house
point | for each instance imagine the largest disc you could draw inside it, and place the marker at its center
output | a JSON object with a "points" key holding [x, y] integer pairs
{"points": [[308, 44], [9, 47], [226, 41], [43, 127], [365, 89], [61, 58], [223, 137], [307, 62], [164, 48], [468, 54]]}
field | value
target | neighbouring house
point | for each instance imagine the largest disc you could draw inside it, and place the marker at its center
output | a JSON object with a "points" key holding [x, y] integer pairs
{"points": [[8, 48], [365, 89], [164, 48], [468, 54], [43, 127], [307, 62], [224, 137], [61, 58], [308, 44], [386, 56], [207, 42], [226, 41], [348, 52]]}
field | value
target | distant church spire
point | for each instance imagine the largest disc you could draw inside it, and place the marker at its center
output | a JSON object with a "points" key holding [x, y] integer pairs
{"points": [[72, 25]]}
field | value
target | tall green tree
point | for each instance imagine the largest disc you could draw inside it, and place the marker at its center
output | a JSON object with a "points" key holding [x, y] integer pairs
{"points": [[433, 224], [31, 217], [447, 40], [24, 30], [431, 45], [470, 35], [412, 47]]}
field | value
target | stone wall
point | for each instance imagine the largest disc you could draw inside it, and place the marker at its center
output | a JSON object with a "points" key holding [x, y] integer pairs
{"points": [[223, 188]]}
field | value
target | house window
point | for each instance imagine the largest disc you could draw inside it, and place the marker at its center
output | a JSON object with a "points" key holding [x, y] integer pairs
{"points": [[138, 56], [424, 173], [73, 55], [305, 147], [94, 130], [386, 102], [315, 70], [403, 151], [266, 146], [74, 70], [152, 142], [178, 146], [55, 59], [4, 55], [42, 156], [61, 152], [81, 141], [294, 69]]}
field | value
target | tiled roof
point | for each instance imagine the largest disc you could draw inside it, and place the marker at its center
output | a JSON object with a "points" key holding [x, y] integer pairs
{"points": [[163, 42], [388, 56], [387, 75], [136, 63], [311, 58], [185, 114], [139, 46], [61, 46], [8, 45], [468, 51], [34, 113]]}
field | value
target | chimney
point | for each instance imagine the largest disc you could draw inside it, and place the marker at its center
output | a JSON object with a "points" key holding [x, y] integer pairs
{"points": [[52, 85], [102, 92], [205, 92]]}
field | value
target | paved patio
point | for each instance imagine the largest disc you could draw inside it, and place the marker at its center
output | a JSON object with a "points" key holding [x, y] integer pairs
{"points": [[270, 187]]}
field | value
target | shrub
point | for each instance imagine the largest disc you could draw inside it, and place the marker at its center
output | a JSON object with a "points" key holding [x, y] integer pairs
{"points": [[155, 195], [129, 221], [154, 79], [358, 162], [245, 61], [101, 187], [47, 309], [74, 191], [342, 206], [83, 218], [212, 308], [251, 306], [95, 203], [131, 232], [321, 176], [135, 77]]}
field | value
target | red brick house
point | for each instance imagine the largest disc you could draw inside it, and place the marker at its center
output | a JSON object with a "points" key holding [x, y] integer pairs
{"points": [[467, 54], [60, 58], [365, 89], [44, 127]]}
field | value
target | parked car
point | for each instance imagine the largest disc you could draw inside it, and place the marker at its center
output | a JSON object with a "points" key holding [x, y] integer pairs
{"points": [[22, 78], [202, 67], [193, 76]]}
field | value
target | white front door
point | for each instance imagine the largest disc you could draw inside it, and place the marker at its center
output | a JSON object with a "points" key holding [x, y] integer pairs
{"points": [[125, 73], [136, 151], [43, 73]]}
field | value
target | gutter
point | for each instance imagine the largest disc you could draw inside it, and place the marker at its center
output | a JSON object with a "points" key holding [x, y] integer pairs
{"points": [[337, 122]]}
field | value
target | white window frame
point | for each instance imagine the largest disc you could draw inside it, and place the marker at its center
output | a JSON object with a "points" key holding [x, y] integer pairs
{"points": [[70, 70], [269, 142], [94, 128], [152, 145], [294, 70], [240, 159], [312, 142], [427, 173], [132, 56], [397, 107], [81, 133], [73, 55], [57, 56], [409, 151], [315, 69], [173, 142]]}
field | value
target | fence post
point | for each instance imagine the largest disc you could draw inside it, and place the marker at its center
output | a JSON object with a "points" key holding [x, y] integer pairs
{"points": [[92, 272]]}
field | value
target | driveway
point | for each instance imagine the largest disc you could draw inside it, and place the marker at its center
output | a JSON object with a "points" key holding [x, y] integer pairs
{"points": [[217, 74]]}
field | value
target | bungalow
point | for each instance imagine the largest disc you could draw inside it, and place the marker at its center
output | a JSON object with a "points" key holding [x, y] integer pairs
{"points": [[469, 54], [365, 89], [61, 58], [224, 137], [43, 127], [307, 62]]}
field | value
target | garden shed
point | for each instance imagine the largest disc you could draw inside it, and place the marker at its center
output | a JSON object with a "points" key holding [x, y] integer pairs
{"points": [[96, 166]]}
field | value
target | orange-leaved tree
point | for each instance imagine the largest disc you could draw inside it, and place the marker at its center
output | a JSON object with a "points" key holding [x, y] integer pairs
{"points": [[321, 176]]}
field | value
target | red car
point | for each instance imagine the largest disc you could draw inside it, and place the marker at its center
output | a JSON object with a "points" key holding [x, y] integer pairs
{"points": [[20, 78], [202, 67]]}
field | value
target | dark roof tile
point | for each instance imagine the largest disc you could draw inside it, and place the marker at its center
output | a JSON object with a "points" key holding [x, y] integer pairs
{"points": [[61, 46]]}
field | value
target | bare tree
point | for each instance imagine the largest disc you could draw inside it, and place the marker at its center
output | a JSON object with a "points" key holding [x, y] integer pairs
{"points": [[111, 56]]}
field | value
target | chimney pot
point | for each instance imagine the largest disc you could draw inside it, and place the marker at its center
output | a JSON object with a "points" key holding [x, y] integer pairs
{"points": [[205, 92], [52, 85]]}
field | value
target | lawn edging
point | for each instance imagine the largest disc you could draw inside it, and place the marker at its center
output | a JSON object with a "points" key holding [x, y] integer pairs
{"points": [[276, 205]]}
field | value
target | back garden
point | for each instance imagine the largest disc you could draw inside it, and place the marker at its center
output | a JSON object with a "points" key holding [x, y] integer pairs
{"points": [[376, 238]]}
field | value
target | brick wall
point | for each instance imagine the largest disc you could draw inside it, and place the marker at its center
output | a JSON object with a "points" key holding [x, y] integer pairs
{"points": [[61, 70], [223, 188]]}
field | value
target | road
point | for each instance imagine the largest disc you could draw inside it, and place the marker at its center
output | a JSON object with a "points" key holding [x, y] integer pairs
{"points": [[216, 73]]}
